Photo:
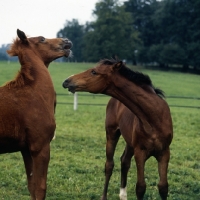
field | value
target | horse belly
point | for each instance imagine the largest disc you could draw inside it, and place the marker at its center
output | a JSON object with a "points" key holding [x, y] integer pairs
{"points": [[12, 136], [9, 146]]}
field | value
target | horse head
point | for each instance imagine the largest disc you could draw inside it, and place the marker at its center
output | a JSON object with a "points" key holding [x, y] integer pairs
{"points": [[47, 49]]}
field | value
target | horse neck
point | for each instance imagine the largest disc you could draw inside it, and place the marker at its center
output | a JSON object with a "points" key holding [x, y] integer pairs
{"points": [[144, 104], [30, 60], [34, 68]]}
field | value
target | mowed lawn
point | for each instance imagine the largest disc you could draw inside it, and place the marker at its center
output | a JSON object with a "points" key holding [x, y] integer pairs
{"points": [[76, 168]]}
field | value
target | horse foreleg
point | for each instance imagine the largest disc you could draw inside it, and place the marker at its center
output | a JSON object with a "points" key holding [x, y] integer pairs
{"points": [[140, 159], [163, 161], [111, 143], [55, 102], [125, 165], [28, 163], [40, 167]]}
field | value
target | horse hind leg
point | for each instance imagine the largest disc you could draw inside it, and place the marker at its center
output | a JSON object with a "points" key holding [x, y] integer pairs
{"points": [[55, 102], [28, 163], [40, 167], [163, 161], [112, 140], [140, 159], [125, 165]]}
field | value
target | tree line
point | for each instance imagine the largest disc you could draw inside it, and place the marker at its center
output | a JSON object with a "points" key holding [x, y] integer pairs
{"points": [[163, 33], [157, 33]]}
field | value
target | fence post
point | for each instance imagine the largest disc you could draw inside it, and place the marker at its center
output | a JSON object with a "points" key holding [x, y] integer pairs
{"points": [[75, 101]]}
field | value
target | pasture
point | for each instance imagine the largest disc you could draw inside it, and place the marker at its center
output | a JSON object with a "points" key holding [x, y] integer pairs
{"points": [[76, 168]]}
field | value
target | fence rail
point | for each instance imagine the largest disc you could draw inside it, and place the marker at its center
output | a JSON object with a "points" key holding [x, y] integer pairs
{"points": [[75, 103], [101, 95]]}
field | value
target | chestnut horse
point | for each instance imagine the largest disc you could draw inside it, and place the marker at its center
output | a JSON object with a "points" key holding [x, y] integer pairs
{"points": [[143, 119], [27, 104]]}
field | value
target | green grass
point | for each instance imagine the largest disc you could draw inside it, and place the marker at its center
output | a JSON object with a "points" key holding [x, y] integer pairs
{"points": [[76, 169]]}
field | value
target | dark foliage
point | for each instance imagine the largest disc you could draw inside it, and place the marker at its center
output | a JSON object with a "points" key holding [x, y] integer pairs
{"points": [[157, 33]]}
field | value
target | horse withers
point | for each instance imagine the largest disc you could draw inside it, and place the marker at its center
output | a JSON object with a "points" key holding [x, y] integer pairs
{"points": [[138, 112], [27, 105]]}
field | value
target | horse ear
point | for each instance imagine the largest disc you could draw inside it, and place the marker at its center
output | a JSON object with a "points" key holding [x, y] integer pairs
{"points": [[118, 65], [22, 36]]}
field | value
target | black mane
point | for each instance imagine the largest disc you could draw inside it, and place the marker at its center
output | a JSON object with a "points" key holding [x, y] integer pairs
{"points": [[133, 76]]}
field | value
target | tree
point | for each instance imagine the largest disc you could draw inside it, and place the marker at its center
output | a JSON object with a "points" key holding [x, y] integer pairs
{"points": [[3, 56], [111, 34], [179, 21], [169, 31], [142, 12], [3, 53]]}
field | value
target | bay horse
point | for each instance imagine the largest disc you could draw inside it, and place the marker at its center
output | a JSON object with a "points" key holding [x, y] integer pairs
{"points": [[27, 105], [138, 112]]}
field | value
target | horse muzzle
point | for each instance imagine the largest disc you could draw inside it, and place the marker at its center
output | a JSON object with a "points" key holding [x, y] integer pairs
{"points": [[67, 47], [71, 87]]}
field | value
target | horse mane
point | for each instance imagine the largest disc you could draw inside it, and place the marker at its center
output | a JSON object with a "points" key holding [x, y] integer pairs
{"points": [[25, 75], [136, 77], [22, 78], [14, 48]]}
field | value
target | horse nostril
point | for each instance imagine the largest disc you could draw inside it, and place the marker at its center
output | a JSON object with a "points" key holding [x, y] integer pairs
{"points": [[65, 83]]}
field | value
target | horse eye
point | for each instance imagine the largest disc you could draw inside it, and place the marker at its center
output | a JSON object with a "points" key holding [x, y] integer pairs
{"points": [[42, 39], [93, 72]]}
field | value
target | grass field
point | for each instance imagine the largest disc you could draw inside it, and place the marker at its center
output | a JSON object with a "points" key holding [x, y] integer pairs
{"points": [[76, 169]]}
